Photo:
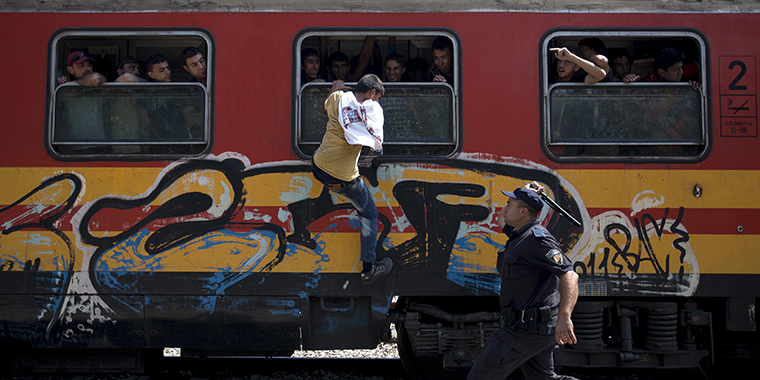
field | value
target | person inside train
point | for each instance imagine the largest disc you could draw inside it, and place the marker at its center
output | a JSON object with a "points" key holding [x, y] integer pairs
{"points": [[394, 67], [194, 63], [310, 66], [125, 117], [416, 70], [170, 117], [81, 118], [157, 67], [337, 65], [621, 65], [79, 65], [130, 69], [594, 51], [668, 67], [369, 61], [569, 64], [443, 58]]}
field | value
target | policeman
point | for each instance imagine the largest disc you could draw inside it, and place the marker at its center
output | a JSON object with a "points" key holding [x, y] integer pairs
{"points": [[538, 292]]}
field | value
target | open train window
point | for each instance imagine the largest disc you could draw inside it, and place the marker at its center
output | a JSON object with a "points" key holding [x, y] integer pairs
{"points": [[127, 110], [653, 118], [422, 117]]}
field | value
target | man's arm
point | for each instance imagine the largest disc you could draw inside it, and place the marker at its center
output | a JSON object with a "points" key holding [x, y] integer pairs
{"points": [[365, 56], [602, 62], [597, 59], [568, 291], [91, 79], [127, 77], [595, 73], [336, 86]]}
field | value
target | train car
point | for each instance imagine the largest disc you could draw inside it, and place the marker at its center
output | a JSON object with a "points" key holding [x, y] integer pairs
{"points": [[211, 235]]}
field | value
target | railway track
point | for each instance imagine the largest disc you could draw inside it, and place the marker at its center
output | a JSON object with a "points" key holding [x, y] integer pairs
{"points": [[381, 363], [321, 368], [246, 369]]}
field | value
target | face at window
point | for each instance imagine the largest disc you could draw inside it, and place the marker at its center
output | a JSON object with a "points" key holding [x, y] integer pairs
{"points": [[673, 73], [393, 71], [418, 76], [196, 66], [621, 67], [130, 68], [339, 70], [161, 72], [79, 70], [566, 70], [311, 67], [443, 60]]}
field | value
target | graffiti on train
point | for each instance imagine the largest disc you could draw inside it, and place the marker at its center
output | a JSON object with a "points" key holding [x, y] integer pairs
{"points": [[220, 225], [648, 250]]}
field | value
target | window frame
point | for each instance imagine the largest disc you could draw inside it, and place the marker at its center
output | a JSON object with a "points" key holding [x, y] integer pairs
{"points": [[402, 33], [54, 63], [546, 88]]}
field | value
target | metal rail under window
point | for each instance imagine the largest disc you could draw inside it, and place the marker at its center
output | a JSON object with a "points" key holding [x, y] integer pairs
{"points": [[134, 118]]}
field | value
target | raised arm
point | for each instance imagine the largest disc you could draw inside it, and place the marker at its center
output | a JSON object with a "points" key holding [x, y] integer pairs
{"points": [[595, 73], [365, 56]]}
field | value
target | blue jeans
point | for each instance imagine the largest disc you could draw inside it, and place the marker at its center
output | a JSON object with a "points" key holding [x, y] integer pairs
{"points": [[359, 196]]}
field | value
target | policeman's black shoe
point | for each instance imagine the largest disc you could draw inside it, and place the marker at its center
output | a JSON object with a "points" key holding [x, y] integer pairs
{"points": [[379, 269]]}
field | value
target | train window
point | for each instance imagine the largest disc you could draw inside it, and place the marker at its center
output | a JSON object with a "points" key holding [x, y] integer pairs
{"points": [[421, 116], [653, 117], [135, 115]]}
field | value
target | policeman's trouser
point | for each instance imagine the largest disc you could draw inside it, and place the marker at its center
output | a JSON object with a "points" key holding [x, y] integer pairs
{"points": [[508, 349]]}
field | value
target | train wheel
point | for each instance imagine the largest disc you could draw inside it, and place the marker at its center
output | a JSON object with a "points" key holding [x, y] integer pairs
{"points": [[424, 368]]}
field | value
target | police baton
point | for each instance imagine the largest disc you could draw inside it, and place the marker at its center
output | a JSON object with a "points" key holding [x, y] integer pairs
{"points": [[559, 209]]}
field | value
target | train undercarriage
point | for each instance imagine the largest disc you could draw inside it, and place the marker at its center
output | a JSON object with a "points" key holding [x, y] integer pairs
{"points": [[439, 339]]}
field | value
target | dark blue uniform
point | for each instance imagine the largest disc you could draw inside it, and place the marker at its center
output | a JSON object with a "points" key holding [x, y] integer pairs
{"points": [[529, 265]]}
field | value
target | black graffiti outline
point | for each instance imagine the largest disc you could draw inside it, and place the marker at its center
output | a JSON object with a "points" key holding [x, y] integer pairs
{"points": [[31, 279], [633, 261]]}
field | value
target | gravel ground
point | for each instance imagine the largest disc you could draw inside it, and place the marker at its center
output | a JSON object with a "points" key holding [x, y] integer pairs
{"points": [[384, 350]]}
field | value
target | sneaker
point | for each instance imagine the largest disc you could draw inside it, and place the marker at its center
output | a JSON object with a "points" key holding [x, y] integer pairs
{"points": [[379, 269]]}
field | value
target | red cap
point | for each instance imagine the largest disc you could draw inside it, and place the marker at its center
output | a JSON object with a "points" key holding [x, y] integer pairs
{"points": [[77, 57]]}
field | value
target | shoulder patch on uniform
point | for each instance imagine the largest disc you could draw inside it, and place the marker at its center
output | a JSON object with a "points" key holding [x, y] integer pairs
{"points": [[555, 256], [538, 231]]}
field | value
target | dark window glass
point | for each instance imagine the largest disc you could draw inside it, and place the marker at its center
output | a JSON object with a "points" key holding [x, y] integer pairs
{"points": [[421, 116], [130, 119], [139, 119], [613, 120]]}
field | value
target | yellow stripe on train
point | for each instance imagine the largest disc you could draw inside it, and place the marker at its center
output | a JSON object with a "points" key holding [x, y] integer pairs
{"points": [[598, 188]]}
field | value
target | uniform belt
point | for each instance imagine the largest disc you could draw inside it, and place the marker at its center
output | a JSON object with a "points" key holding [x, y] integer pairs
{"points": [[512, 316]]}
